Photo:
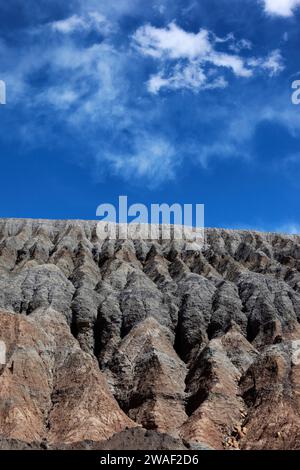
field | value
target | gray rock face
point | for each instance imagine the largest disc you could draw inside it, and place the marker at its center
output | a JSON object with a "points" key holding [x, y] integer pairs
{"points": [[178, 335]]}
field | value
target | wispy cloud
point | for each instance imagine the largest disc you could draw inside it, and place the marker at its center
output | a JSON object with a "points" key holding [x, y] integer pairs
{"points": [[187, 59], [90, 21], [153, 158], [190, 76], [69, 25], [89, 92], [273, 63], [95, 89]]}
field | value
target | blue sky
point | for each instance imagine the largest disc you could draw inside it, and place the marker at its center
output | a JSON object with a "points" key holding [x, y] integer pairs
{"points": [[163, 101]]}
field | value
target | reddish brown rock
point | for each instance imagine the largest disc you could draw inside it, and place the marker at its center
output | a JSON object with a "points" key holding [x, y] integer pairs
{"points": [[158, 336], [150, 378], [271, 389], [215, 403], [49, 388]]}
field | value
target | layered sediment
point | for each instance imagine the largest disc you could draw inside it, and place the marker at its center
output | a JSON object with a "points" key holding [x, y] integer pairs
{"points": [[136, 344]]}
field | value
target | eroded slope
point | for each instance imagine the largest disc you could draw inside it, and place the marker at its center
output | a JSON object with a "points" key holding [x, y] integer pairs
{"points": [[198, 346]]}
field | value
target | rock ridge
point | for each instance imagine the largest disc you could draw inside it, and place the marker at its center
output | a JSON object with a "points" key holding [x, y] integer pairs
{"points": [[147, 343]]}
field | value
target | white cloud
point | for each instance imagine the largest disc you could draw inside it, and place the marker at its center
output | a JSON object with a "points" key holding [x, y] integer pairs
{"points": [[186, 55], [240, 45], [95, 96], [281, 7], [273, 63], [154, 158], [172, 42], [95, 99], [156, 82], [68, 25], [190, 77], [235, 63], [90, 21], [233, 44], [95, 85]]}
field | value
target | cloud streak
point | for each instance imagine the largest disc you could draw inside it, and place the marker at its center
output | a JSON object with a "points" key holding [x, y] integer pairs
{"points": [[77, 23]]}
